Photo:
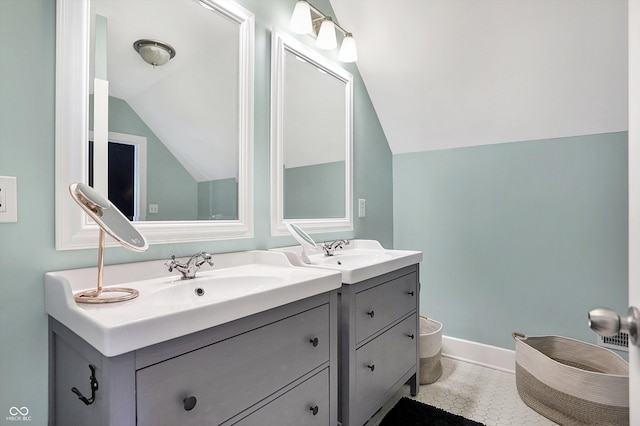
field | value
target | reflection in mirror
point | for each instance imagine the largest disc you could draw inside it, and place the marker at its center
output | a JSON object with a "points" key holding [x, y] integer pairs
{"points": [[193, 144], [194, 115], [311, 139]]}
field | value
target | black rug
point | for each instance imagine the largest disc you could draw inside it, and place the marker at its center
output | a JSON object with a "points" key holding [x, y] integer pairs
{"points": [[408, 412]]}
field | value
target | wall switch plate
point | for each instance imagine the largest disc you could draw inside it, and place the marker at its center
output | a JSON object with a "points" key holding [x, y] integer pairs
{"points": [[8, 199], [362, 204], [153, 208]]}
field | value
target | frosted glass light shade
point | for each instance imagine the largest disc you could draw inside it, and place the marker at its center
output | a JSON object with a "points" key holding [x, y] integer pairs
{"points": [[348, 51], [154, 55], [154, 52], [301, 19], [327, 35]]}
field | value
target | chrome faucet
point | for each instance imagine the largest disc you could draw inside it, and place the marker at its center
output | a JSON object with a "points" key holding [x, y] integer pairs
{"points": [[189, 269], [330, 247]]}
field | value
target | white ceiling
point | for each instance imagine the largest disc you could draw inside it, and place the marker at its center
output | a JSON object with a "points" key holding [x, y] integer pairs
{"points": [[453, 73]]}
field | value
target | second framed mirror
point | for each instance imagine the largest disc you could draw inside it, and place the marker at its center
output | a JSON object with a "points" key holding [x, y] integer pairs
{"points": [[311, 139]]}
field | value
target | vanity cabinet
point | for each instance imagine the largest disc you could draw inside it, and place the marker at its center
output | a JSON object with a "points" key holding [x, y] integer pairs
{"points": [[378, 342], [275, 367]]}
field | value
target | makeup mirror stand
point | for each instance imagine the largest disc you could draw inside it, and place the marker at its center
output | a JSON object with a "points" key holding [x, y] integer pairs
{"points": [[93, 296], [112, 221]]}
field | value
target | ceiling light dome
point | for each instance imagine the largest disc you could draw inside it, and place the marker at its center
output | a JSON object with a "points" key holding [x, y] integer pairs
{"points": [[154, 52]]}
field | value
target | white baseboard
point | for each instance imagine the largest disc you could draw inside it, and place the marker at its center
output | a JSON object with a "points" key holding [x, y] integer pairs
{"points": [[479, 353]]}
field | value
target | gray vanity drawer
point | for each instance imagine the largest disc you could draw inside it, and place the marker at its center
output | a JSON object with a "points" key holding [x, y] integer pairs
{"points": [[383, 361], [379, 306], [297, 406], [230, 376]]}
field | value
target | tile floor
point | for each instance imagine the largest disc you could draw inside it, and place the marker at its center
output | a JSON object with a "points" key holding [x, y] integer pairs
{"points": [[479, 393]]}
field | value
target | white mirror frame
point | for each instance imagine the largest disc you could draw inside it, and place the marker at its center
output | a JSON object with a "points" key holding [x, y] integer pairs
{"points": [[281, 42], [74, 230]]}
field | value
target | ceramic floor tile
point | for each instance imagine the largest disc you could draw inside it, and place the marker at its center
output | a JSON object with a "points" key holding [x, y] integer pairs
{"points": [[479, 393]]}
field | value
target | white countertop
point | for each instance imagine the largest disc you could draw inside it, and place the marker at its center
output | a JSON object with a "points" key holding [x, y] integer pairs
{"points": [[238, 285]]}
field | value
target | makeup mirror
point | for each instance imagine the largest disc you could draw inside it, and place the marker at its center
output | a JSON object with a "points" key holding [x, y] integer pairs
{"points": [[108, 217], [302, 238], [311, 139], [113, 222]]}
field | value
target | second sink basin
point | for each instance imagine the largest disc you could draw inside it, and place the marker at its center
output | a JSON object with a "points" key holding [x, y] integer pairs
{"points": [[357, 261]]}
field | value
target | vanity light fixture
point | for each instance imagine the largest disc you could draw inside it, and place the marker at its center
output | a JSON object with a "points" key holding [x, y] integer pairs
{"points": [[307, 19], [154, 52], [327, 35]]}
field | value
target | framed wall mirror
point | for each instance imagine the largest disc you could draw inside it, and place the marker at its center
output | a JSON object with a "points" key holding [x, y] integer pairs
{"points": [[179, 134], [311, 139]]}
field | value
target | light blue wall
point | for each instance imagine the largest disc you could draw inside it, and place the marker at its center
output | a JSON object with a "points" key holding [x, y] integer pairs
{"points": [[27, 84], [314, 188], [525, 236]]}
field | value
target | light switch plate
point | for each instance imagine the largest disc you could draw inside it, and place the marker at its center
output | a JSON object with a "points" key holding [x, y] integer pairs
{"points": [[8, 199], [362, 207]]}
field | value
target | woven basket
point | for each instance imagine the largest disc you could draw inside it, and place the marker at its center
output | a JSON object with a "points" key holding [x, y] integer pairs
{"points": [[572, 382], [430, 346]]}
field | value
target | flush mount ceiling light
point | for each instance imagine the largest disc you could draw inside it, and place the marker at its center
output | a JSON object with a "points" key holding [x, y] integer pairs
{"points": [[307, 19], [154, 52]]}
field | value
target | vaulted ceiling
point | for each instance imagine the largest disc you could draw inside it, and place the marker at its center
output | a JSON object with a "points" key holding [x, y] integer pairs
{"points": [[454, 73]]}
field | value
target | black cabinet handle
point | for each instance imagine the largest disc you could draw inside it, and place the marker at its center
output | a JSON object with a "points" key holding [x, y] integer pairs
{"points": [[410, 293], [371, 367], [371, 313], [411, 336], [314, 409], [314, 341], [189, 403]]}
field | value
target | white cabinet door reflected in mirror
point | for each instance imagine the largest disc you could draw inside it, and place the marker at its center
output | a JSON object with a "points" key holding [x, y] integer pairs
{"points": [[311, 139], [193, 114]]}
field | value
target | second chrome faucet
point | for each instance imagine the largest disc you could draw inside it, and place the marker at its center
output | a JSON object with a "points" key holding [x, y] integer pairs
{"points": [[189, 269], [330, 247]]}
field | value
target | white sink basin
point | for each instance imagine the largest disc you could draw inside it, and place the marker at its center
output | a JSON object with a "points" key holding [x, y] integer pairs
{"points": [[350, 259], [238, 285], [206, 289], [357, 261]]}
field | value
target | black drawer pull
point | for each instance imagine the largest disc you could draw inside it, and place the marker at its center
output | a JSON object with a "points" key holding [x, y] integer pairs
{"points": [[314, 341], [371, 367], [189, 403], [371, 313], [410, 293], [314, 409], [411, 336]]}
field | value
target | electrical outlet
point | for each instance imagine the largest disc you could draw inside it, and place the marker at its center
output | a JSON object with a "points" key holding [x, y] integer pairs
{"points": [[8, 199], [362, 204], [153, 208]]}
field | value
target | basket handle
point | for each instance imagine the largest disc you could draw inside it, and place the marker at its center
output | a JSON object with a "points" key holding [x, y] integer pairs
{"points": [[516, 335]]}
